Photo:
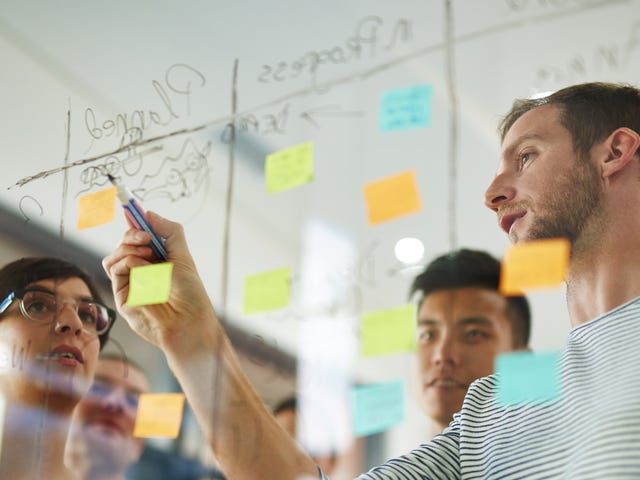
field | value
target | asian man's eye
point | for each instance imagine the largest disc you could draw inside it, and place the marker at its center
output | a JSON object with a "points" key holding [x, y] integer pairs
{"points": [[475, 335], [425, 335]]}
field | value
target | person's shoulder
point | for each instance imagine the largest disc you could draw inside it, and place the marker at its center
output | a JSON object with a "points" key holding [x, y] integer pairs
{"points": [[483, 389]]}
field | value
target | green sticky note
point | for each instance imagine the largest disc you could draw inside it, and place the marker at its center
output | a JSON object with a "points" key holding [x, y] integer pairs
{"points": [[289, 168], [150, 284], [376, 407], [267, 291], [392, 330], [527, 377]]}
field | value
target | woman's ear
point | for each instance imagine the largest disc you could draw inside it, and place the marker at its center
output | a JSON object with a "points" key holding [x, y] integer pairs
{"points": [[621, 147]]}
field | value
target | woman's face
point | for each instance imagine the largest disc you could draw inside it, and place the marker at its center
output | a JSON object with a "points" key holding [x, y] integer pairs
{"points": [[58, 356]]}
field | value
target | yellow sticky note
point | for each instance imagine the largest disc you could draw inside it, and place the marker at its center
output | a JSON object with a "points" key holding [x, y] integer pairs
{"points": [[159, 415], [535, 264], [289, 168], [97, 208], [267, 291], [150, 284], [392, 197], [392, 330]]}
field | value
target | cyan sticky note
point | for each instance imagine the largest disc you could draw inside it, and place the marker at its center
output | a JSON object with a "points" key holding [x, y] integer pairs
{"points": [[528, 377], [392, 330], [376, 407], [289, 168], [406, 108], [267, 291], [159, 415], [150, 284]]}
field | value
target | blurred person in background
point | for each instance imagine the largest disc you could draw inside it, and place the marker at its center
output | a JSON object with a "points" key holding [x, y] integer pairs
{"points": [[101, 445], [463, 323]]}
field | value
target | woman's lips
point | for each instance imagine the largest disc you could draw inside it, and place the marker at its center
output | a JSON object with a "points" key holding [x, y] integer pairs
{"points": [[65, 355]]}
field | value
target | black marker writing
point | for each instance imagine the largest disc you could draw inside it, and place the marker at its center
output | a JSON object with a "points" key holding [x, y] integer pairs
{"points": [[22, 205], [17, 357], [364, 42], [178, 79], [128, 128], [603, 58]]}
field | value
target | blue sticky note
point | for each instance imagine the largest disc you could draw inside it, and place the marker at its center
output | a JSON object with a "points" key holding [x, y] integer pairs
{"points": [[525, 377], [406, 108], [376, 407]]}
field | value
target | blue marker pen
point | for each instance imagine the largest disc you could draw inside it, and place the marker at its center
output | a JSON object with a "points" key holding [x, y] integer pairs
{"points": [[138, 218]]}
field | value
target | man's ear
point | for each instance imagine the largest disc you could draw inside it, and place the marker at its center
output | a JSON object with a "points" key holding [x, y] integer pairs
{"points": [[621, 147]]}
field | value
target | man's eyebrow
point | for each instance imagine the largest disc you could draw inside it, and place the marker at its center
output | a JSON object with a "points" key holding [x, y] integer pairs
{"points": [[127, 388], [136, 390], [481, 321], [508, 152], [427, 322]]}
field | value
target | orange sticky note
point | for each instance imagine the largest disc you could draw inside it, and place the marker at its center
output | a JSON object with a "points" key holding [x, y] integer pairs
{"points": [[392, 197], [535, 264], [159, 415], [97, 208]]}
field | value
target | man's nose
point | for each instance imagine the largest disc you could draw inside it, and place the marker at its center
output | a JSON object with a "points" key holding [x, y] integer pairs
{"points": [[500, 191], [445, 351], [114, 400]]}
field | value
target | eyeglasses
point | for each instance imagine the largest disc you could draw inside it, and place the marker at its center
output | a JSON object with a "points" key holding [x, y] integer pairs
{"points": [[101, 389], [43, 306]]}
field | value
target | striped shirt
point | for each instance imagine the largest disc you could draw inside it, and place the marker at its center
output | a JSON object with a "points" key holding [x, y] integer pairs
{"points": [[592, 431]]}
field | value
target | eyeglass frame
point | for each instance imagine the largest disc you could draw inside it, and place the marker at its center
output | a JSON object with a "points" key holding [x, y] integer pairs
{"points": [[101, 389], [18, 294]]}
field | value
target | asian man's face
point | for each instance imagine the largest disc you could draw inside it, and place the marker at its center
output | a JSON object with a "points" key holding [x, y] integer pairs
{"points": [[460, 332]]}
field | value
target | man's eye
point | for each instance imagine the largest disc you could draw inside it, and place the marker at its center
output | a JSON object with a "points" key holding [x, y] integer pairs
{"points": [[475, 334], [524, 159], [132, 399], [425, 335], [99, 390]]}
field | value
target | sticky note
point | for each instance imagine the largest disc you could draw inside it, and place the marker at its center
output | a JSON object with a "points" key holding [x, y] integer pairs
{"points": [[527, 377], [376, 407], [96, 208], [150, 284], [267, 291], [535, 264], [406, 108], [392, 330], [159, 415], [392, 197], [289, 168]]}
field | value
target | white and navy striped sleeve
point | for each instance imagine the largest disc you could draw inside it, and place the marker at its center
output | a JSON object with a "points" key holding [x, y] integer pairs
{"points": [[439, 459]]}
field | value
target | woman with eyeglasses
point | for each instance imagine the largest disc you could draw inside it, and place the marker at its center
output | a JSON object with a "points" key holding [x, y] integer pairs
{"points": [[52, 326]]}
